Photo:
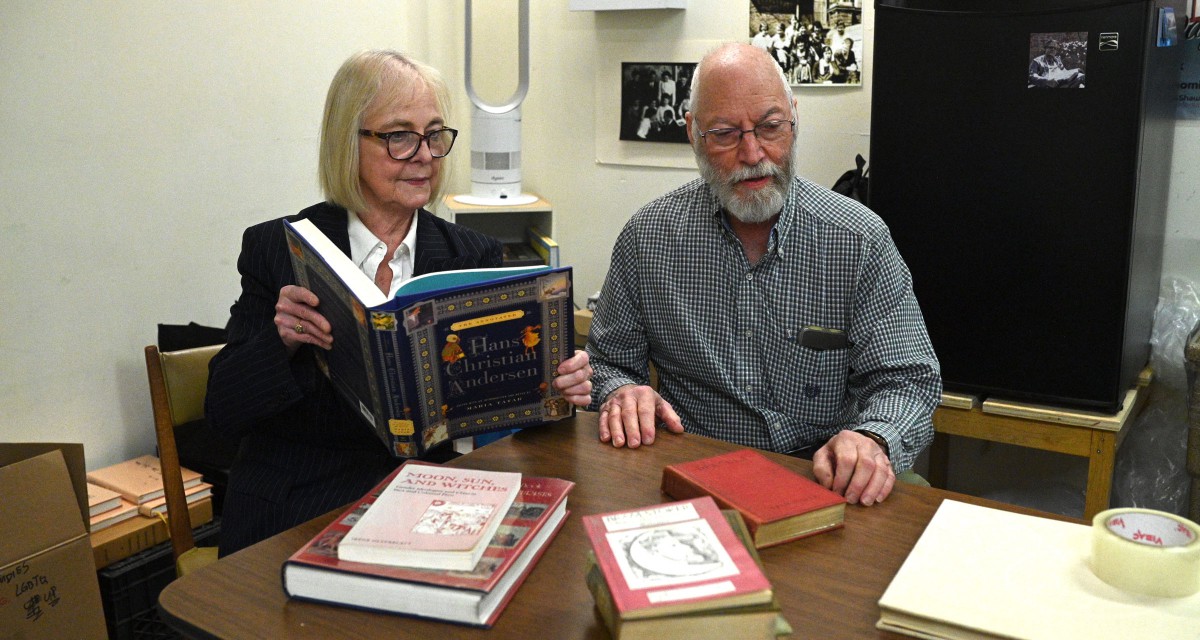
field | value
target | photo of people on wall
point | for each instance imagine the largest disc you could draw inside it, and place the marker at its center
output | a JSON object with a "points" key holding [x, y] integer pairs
{"points": [[815, 42], [653, 100]]}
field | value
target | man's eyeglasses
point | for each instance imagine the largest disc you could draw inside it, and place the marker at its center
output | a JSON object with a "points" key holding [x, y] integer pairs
{"points": [[402, 145], [729, 138]]}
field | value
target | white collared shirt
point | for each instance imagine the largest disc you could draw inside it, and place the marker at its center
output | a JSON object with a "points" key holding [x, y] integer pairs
{"points": [[367, 251]]}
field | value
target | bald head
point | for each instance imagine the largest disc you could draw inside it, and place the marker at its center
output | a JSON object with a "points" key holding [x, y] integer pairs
{"points": [[732, 69]]}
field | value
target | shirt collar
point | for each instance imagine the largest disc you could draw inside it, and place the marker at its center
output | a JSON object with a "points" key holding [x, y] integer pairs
{"points": [[363, 242]]}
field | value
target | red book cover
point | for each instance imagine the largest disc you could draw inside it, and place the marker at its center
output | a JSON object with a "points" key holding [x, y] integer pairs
{"points": [[474, 597], [777, 503], [674, 558]]}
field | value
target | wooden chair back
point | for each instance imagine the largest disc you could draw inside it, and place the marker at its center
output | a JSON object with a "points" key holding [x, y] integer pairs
{"points": [[178, 383]]}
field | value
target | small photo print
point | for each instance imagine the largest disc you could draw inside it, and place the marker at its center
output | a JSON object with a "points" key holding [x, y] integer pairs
{"points": [[553, 286], [420, 315], [654, 97], [1058, 60]]}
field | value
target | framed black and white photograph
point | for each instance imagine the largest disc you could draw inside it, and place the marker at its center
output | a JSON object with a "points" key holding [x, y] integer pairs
{"points": [[654, 97], [815, 42], [616, 136], [1058, 60]]}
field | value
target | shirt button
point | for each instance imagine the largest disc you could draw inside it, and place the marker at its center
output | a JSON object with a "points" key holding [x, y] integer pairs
{"points": [[749, 277], [749, 388]]}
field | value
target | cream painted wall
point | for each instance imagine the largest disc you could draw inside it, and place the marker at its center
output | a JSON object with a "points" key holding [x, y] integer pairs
{"points": [[142, 137]]}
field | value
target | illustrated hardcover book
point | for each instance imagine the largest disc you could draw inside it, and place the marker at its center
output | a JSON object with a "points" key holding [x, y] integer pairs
{"points": [[474, 597], [779, 505], [453, 354], [762, 621], [674, 558], [432, 517]]}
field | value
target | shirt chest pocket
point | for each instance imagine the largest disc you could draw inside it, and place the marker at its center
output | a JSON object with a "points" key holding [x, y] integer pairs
{"points": [[811, 384]]}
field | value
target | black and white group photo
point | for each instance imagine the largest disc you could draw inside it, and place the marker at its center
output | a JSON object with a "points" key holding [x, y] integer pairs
{"points": [[654, 98], [815, 42]]}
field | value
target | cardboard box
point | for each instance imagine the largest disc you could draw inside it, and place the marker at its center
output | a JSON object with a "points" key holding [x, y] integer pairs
{"points": [[140, 533], [48, 586]]}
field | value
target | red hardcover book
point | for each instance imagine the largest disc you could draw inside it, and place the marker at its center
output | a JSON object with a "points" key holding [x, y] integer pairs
{"points": [[674, 558], [475, 597], [779, 505]]}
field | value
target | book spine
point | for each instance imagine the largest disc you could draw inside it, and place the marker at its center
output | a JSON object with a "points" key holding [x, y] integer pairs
{"points": [[387, 358], [602, 596], [545, 246]]}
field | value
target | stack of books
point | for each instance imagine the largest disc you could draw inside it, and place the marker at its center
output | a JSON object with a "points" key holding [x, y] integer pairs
{"points": [[139, 481], [679, 570], [460, 543], [107, 507]]}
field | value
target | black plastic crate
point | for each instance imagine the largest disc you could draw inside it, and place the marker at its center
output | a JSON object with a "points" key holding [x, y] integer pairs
{"points": [[129, 589]]}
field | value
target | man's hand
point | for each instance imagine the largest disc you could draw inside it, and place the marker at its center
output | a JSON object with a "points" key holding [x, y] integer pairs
{"points": [[574, 379], [856, 467], [298, 321], [629, 415]]}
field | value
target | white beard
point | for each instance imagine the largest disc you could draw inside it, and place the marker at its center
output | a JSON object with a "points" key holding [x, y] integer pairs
{"points": [[762, 204]]}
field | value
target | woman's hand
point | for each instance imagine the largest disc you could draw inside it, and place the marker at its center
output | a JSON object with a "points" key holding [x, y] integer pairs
{"points": [[298, 321]]}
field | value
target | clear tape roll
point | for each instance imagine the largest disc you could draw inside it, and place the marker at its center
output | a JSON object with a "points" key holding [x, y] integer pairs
{"points": [[1147, 551]]}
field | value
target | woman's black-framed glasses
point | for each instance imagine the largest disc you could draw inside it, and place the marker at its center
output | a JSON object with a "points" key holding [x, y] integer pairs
{"points": [[402, 145]]}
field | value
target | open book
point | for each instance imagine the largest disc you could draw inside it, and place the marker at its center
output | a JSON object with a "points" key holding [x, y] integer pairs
{"points": [[453, 354]]}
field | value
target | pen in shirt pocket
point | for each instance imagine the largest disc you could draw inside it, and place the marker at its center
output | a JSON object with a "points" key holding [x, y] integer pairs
{"points": [[820, 338]]}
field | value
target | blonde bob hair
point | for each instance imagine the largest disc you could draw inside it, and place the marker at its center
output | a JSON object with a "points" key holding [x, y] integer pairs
{"points": [[367, 76]]}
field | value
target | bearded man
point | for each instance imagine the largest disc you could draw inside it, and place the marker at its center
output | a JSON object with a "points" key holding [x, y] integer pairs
{"points": [[778, 314]]}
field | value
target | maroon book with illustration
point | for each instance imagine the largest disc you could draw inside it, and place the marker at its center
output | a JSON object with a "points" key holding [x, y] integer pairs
{"points": [[673, 558]]}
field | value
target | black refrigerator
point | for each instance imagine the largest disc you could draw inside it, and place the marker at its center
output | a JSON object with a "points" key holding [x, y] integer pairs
{"points": [[1020, 155]]}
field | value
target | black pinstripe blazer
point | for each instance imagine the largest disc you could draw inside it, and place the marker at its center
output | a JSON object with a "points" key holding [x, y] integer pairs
{"points": [[303, 450]]}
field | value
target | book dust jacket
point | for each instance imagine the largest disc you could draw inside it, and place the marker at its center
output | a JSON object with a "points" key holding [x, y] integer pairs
{"points": [[485, 358]]}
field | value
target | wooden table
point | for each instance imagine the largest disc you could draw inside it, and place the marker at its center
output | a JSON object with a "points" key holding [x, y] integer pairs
{"points": [[828, 584], [1094, 436]]}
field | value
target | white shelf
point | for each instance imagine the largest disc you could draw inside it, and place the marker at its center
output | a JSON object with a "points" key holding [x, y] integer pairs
{"points": [[623, 5], [506, 223]]}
